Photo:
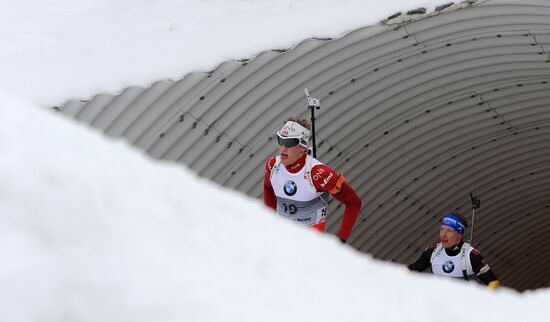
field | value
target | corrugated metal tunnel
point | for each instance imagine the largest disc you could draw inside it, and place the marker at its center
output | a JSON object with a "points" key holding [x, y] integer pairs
{"points": [[417, 112]]}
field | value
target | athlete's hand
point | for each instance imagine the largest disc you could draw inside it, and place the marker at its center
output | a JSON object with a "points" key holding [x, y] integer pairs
{"points": [[343, 241], [494, 284]]}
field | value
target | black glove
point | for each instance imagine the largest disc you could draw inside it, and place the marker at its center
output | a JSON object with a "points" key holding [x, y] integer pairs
{"points": [[342, 240]]}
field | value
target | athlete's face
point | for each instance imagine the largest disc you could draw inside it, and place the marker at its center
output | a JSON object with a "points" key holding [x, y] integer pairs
{"points": [[291, 155], [449, 236]]}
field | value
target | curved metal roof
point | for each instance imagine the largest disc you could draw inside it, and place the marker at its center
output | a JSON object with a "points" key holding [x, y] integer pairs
{"points": [[417, 112]]}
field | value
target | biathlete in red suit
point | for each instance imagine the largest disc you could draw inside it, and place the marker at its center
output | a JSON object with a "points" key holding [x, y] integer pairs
{"points": [[297, 186]]}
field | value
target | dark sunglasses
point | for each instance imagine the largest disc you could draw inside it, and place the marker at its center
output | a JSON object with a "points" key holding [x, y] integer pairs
{"points": [[288, 142]]}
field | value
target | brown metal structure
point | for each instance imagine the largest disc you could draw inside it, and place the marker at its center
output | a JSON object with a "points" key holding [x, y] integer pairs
{"points": [[417, 111]]}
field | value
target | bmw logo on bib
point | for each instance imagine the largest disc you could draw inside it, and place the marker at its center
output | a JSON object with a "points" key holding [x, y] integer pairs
{"points": [[290, 188], [448, 266]]}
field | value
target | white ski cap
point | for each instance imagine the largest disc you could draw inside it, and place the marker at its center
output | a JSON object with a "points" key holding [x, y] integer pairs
{"points": [[295, 130]]}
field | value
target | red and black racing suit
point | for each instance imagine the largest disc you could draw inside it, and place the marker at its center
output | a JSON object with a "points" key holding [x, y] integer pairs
{"points": [[329, 181]]}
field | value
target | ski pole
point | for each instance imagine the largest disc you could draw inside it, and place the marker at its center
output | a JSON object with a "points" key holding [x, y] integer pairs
{"points": [[313, 103], [476, 203]]}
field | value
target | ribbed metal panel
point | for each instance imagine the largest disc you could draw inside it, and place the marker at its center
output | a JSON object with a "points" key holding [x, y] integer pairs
{"points": [[417, 112]]}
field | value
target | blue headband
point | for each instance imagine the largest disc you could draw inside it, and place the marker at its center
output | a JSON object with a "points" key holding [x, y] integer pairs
{"points": [[454, 222]]}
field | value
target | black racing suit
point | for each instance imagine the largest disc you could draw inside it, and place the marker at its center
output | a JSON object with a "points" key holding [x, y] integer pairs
{"points": [[476, 259]]}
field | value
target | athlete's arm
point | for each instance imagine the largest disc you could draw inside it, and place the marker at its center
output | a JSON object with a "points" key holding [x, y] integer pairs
{"points": [[326, 179], [269, 195], [423, 262], [351, 200], [482, 269]]}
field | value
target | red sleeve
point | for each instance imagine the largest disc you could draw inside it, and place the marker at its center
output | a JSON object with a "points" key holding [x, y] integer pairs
{"points": [[326, 179], [269, 196], [348, 197]]}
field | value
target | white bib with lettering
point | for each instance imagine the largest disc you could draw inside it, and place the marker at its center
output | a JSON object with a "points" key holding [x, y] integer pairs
{"points": [[451, 266], [296, 198]]}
